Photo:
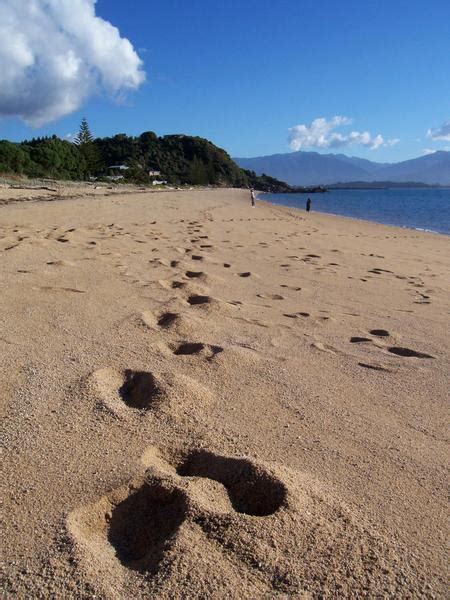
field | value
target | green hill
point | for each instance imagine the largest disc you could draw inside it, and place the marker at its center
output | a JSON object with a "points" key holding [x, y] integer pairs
{"points": [[181, 159]]}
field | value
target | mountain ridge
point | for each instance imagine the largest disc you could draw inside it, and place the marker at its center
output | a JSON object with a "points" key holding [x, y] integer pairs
{"points": [[312, 168]]}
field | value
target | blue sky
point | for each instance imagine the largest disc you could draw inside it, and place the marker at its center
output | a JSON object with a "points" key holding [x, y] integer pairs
{"points": [[242, 73]]}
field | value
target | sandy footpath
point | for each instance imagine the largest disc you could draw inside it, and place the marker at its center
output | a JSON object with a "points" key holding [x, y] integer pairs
{"points": [[205, 400]]}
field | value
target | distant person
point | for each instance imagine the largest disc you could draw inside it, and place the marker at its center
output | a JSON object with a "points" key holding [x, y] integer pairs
{"points": [[308, 205], [252, 193]]}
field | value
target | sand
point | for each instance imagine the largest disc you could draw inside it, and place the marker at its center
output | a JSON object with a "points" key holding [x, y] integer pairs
{"points": [[205, 400]]}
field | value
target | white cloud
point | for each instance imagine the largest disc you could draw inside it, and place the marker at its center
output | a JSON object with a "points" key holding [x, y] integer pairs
{"points": [[54, 54], [320, 134], [441, 133]]}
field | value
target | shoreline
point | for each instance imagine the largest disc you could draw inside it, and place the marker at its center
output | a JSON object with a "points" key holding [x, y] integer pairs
{"points": [[193, 344], [423, 230]]}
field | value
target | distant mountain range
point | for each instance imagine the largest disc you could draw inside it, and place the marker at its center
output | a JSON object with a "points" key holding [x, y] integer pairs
{"points": [[312, 168]]}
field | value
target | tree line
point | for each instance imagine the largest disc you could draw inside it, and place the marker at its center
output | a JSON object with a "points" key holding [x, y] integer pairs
{"points": [[181, 159]]}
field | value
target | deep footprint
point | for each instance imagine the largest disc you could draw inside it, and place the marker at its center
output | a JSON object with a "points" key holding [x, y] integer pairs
{"points": [[167, 319], [188, 348], [142, 525], [194, 274], [407, 352], [196, 299], [139, 390], [252, 490], [380, 332]]}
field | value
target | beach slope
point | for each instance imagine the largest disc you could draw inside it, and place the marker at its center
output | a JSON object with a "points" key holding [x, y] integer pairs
{"points": [[204, 399]]}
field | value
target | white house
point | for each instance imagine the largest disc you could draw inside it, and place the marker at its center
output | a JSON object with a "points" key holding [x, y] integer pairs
{"points": [[118, 168]]}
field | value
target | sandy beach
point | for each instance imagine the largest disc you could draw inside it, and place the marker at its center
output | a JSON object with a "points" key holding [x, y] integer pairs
{"points": [[205, 400]]}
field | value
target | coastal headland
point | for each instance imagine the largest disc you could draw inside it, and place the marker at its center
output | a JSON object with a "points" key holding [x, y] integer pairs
{"points": [[205, 399]]}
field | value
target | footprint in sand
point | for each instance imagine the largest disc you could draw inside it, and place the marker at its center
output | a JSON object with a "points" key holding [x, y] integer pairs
{"points": [[196, 299], [195, 274], [407, 352], [117, 390], [188, 348], [380, 332], [128, 392], [374, 367], [424, 299], [290, 287], [183, 324], [271, 296], [60, 263], [379, 271], [217, 516], [140, 390], [324, 347], [141, 524], [48, 288], [168, 319]]}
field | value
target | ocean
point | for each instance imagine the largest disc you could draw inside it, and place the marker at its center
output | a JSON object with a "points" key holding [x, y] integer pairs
{"points": [[423, 209]]}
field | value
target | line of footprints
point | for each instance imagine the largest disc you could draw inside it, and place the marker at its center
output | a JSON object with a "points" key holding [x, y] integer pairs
{"points": [[186, 511], [136, 525]]}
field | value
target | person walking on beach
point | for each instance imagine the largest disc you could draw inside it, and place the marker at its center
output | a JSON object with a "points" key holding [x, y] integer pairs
{"points": [[252, 193], [308, 205]]}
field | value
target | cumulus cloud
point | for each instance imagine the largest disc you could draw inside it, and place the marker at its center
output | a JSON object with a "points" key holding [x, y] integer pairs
{"points": [[54, 54], [440, 133], [320, 134]]}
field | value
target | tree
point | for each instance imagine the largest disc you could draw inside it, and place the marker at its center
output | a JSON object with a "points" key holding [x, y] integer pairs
{"points": [[13, 158], [198, 174], [88, 150], [84, 135]]}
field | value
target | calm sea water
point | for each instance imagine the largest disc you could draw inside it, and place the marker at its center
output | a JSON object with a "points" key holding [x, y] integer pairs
{"points": [[425, 209]]}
